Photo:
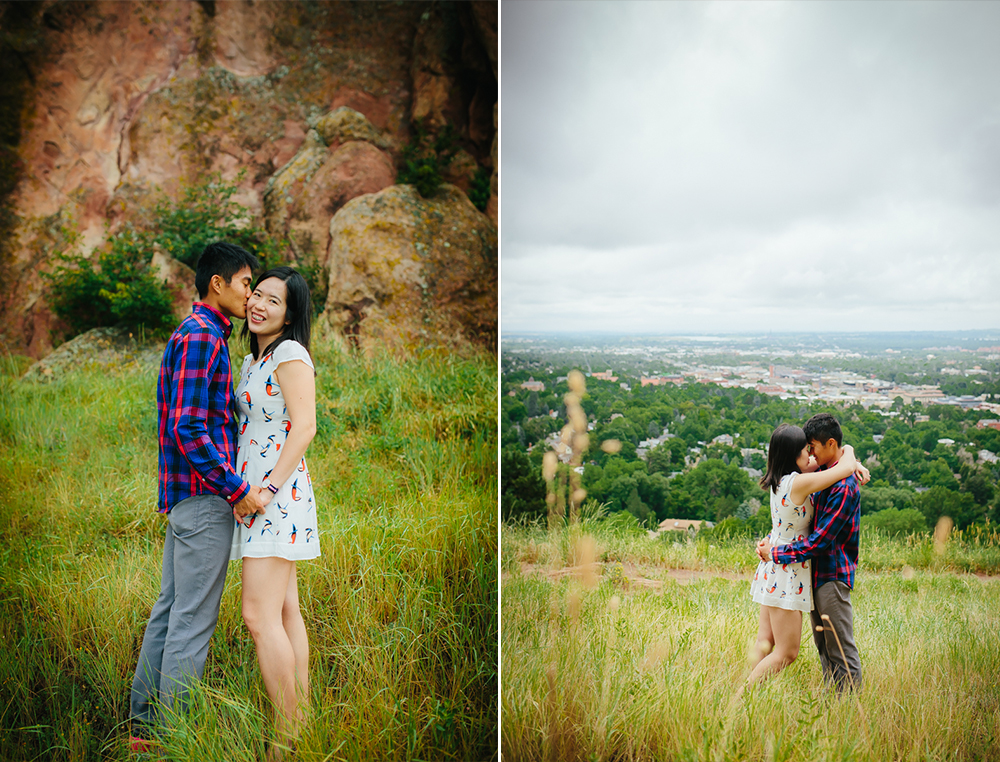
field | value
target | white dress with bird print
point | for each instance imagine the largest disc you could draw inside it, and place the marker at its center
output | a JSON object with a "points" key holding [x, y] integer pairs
{"points": [[786, 586], [288, 527]]}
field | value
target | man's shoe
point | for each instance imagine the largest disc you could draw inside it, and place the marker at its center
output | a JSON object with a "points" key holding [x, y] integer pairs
{"points": [[143, 746]]}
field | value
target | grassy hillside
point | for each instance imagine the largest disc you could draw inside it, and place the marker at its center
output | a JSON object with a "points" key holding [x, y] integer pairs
{"points": [[401, 608], [601, 666]]}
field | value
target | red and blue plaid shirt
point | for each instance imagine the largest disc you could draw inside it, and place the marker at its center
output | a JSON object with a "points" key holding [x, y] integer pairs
{"points": [[196, 410], [833, 543]]}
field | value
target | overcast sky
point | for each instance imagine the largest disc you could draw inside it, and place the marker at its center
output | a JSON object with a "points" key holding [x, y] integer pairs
{"points": [[700, 167]]}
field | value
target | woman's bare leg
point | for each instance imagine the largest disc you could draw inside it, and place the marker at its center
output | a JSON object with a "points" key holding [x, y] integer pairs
{"points": [[265, 590], [295, 628], [765, 638], [786, 630]]}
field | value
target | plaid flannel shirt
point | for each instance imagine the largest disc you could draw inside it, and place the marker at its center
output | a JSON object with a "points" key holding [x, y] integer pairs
{"points": [[833, 543], [196, 412]]}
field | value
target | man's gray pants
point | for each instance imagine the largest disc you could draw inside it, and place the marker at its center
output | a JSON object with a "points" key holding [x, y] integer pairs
{"points": [[175, 646], [834, 600]]}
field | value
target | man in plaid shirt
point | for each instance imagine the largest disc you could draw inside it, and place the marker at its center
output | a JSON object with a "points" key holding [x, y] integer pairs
{"points": [[199, 489], [833, 547]]}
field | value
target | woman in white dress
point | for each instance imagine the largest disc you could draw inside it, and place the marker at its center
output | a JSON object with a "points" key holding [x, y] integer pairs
{"points": [[276, 397], [785, 590]]}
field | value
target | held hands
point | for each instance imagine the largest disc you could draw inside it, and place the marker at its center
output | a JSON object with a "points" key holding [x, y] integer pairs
{"points": [[764, 550], [253, 502]]}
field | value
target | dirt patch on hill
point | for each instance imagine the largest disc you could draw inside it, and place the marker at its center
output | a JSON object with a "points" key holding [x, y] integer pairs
{"points": [[639, 577]]}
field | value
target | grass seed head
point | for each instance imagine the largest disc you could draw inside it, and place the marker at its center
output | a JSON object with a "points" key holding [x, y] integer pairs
{"points": [[586, 560], [574, 602], [549, 463], [577, 382], [566, 435], [941, 533], [656, 653], [611, 446]]}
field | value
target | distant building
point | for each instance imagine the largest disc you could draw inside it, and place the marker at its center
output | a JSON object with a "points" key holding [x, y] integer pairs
{"points": [[985, 456], [532, 385], [691, 526], [662, 380], [723, 439], [988, 423], [766, 389], [604, 376]]}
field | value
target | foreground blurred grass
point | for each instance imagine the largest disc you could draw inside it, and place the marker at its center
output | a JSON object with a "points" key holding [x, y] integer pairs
{"points": [[401, 608], [611, 671]]}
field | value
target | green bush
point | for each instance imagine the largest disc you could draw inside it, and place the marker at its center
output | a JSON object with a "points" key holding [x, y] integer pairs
{"points": [[895, 522], [728, 527], [479, 192], [425, 157], [207, 213], [115, 286]]}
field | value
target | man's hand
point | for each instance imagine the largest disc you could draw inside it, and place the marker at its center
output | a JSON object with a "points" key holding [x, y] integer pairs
{"points": [[253, 502], [764, 550]]}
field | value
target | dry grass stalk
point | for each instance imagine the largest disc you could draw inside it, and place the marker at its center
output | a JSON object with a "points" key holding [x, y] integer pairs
{"points": [[941, 533], [850, 677]]}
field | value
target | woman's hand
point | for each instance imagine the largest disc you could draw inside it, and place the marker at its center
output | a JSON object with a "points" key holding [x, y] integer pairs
{"points": [[862, 474]]}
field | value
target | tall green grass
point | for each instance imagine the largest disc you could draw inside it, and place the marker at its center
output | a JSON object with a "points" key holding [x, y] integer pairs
{"points": [[401, 607], [615, 671]]}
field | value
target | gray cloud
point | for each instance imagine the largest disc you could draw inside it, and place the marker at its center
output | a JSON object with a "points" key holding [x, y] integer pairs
{"points": [[712, 166]]}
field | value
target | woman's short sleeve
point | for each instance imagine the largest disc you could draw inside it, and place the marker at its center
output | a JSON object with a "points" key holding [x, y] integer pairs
{"points": [[292, 350]]}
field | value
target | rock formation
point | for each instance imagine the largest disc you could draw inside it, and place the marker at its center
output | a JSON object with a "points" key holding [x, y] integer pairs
{"points": [[406, 270], [305, 106]]}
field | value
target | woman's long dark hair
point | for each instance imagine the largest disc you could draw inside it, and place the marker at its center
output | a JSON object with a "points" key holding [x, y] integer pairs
{"points": [[787, 442], [297, 311]]}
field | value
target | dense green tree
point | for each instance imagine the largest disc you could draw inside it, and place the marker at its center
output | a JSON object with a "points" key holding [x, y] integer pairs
{"points": [[659, 460], [980, 486], [639, 509], [533, 407], [939, 474], [896, 522], [522, 489], [879, 496], [940, 501]]}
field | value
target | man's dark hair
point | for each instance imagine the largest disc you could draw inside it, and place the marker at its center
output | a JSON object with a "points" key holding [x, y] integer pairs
{"points": [[823, 427], [222, 259]]}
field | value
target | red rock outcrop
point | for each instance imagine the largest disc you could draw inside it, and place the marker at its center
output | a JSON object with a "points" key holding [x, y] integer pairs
{"points": [[128, 98]]}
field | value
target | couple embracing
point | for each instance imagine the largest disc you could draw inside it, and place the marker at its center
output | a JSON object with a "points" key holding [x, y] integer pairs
{"points": [[809, 559], [233, 484]]}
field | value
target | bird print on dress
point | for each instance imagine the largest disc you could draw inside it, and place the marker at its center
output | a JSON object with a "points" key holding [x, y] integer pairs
{"points": [[287, 526], [785, 585]]}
